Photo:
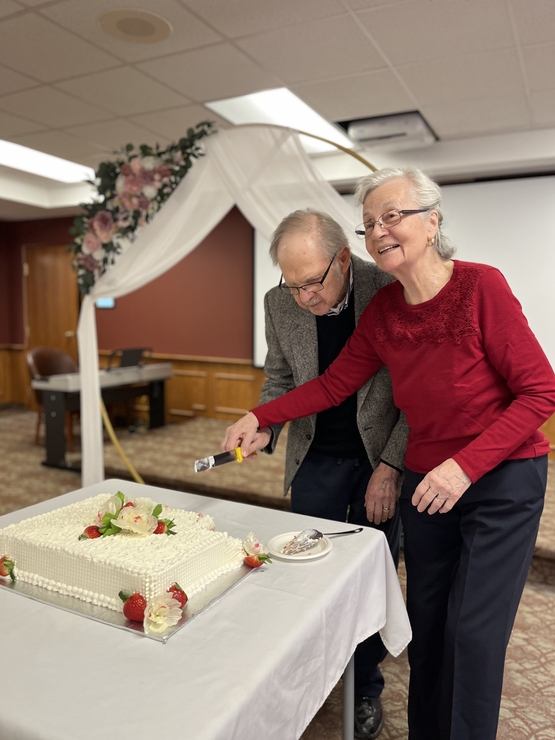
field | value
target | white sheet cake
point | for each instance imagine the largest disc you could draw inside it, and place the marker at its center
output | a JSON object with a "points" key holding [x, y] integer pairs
{"points": [[47, 552]]}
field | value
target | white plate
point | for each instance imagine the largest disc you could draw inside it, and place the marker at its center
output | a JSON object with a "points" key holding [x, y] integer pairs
{"points": [[276, 544]]}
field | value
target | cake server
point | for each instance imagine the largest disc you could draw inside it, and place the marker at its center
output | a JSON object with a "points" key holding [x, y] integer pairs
{"points": [[205, 463], [310, 537]]}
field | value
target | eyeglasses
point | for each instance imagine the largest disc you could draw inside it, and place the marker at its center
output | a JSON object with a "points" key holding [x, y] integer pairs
{"points": [[315, 287], [387, 220]]}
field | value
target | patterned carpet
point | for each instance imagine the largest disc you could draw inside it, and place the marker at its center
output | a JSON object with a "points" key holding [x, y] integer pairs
{"points": [[165, 457]]}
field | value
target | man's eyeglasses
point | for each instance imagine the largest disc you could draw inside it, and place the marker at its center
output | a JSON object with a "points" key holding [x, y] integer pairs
{"points": [[315, 287], [386, 221]]}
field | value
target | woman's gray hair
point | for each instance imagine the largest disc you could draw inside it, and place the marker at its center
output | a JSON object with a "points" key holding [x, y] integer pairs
{"points": [[331, 236], [426, 194]]}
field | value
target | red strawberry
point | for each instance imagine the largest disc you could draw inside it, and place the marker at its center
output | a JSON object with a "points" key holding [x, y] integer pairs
{"points": [[178, 593], [165, 526], [90, 533], [133, 606], [255, 561], [6, 567]]}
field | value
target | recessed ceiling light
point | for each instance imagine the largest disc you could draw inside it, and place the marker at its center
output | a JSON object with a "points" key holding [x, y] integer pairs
{"points": [[46, 165], [137, 26], [281, 107]]}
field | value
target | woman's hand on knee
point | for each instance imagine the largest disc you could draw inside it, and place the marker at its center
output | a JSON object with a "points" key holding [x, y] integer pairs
{"points": [[441, 488]]}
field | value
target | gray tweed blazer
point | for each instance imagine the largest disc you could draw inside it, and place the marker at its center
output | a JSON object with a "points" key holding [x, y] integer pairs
{"points": [[292, 359]]}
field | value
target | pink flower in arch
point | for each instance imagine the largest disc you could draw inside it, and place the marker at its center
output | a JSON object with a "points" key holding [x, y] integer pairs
{"points": [[102, 224], [90, 244]]}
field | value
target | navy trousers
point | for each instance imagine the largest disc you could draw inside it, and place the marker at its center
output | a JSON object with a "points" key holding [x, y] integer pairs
{"points": [[466, 571], [334, 488]]}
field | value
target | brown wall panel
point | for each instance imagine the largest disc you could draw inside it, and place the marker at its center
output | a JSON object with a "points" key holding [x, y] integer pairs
{"points": [[13, 237], [5, 377]]}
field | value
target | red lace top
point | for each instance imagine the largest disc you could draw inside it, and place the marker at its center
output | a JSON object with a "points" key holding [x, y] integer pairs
{"points": [[467, 371]]}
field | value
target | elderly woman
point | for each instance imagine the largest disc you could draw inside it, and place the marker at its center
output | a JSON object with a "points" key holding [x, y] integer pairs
{"points": [[475, 386]]}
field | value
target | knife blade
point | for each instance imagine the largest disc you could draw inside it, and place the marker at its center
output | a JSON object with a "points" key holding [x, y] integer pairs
{"points": [[206, 463]]}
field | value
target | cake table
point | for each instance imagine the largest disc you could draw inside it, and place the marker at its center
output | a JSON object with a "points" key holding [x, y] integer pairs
{"points": [[256, 665]]}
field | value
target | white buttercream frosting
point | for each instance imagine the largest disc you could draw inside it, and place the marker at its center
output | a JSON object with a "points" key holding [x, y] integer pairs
{"points": [[47, 552]]}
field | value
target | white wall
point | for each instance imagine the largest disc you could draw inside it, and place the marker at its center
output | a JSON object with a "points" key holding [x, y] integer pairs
{"points": [[506, 223], [511, 224]]}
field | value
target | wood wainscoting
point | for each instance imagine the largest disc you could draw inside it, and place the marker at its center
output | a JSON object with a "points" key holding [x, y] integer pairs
{"points": [[15, 384], [5, 376]]}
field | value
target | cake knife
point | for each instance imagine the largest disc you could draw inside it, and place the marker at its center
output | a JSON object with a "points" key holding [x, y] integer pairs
{"points": [[205, 463]]}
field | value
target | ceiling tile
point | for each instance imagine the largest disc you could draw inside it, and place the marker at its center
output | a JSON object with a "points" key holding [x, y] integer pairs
{"points": [[543, 107], [12, 126], [434, 29], [173, 123], [51, 107], [539, 63], [364, 4], [359, 96], [211, 73], [36, 47], [124, 91], [330, 47], [464, 78], [235, 18], [9, 7], [114, 134], [535, 20], [62, 144], [82, 18], [13, 81], [36, 3], [472, 117]]}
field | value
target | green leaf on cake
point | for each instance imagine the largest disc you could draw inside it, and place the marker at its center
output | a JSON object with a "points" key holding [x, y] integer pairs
{"points": [[157, 510]]}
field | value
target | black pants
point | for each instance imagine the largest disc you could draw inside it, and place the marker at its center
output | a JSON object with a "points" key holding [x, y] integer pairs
{"points": [[466, 571], [334, 488]]}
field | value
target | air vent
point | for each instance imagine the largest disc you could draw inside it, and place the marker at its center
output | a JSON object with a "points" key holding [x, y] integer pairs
{"points": [[396, 131], [137, 26]]}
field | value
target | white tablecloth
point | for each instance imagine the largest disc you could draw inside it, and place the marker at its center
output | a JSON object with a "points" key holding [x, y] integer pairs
{"points": [[257, 665]]}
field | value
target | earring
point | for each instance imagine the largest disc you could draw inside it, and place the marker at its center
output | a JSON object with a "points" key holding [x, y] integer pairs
{"points": [[430, 241]]}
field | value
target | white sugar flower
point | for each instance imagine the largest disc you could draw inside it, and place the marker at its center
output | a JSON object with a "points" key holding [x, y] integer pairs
{"points": [[161, 612], [253, 546], [137, 520], [112, 506], [145, 504]]}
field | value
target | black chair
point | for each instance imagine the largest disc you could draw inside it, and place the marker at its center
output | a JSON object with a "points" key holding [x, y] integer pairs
{"points": [[42, 362]]}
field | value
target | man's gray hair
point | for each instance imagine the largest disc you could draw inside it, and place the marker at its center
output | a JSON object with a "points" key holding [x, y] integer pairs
{"points": [[331, 236], [426, 194]]}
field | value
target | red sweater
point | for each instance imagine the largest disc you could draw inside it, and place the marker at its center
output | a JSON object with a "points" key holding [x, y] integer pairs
{"points": [[467, 371]]}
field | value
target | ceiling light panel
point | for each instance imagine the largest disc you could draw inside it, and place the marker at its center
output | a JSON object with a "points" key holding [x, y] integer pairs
{"points": [[38, 163], [282, 108]]}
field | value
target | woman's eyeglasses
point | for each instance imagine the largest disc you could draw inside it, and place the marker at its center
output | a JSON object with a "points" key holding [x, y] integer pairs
{"points": [[386, 221]]}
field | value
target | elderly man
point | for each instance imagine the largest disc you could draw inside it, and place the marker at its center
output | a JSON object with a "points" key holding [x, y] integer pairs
{"points": [[345, 463]]}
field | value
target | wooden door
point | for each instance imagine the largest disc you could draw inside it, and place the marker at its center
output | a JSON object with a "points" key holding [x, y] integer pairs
{"points": [[52, 298]]}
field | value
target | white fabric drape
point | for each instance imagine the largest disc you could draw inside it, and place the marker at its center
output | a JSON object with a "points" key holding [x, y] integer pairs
{"points": [[266, 173]]}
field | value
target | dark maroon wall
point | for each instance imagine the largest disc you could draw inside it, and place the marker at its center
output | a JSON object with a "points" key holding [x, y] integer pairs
{"points": [[202, 306]]}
